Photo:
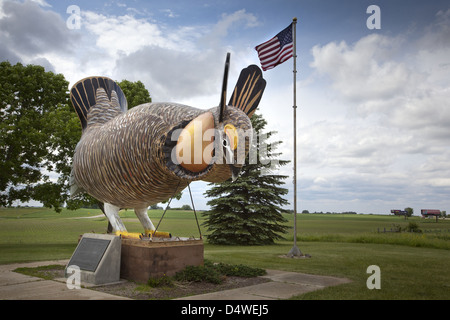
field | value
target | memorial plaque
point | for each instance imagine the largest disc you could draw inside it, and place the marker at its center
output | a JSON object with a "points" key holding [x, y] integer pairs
{"points": [[88, 254]]}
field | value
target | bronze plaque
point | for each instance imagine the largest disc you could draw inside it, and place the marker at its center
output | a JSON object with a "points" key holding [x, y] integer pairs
{"points": [[89, 253]]}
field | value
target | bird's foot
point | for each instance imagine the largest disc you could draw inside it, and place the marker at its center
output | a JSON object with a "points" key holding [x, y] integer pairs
{"points": [[157, 234], [128, 235], [147, 234]]}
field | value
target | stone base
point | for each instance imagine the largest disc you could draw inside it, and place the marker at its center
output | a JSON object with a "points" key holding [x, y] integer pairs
{"points": [[144, 259], [96, 258]]}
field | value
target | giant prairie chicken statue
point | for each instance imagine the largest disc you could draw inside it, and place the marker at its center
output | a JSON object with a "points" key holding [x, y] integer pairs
{"points": [[142, 156]]}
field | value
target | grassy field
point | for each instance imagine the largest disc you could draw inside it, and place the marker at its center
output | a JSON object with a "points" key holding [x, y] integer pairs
{"points": [[413, 266]]}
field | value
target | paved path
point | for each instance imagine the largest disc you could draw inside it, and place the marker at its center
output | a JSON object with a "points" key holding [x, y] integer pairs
{"points": [[16, 286], [284, 284]]}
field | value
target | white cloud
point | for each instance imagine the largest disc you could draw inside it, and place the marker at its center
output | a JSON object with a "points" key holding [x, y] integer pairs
{"points": [[169, 13], [179, 63], [172, 75], [365, 70], [393, 144], [122, 34], [174, 62], [42, 3], [27, 32], [231, 20]]}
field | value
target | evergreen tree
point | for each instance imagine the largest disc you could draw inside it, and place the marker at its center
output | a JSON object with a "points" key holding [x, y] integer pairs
{"points": [[248, 210]]}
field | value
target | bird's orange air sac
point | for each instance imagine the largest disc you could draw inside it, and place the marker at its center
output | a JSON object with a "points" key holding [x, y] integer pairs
{"points": [[195, 143]]}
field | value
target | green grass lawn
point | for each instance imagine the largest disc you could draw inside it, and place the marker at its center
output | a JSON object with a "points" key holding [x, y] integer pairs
{"points": [[413, 266]]}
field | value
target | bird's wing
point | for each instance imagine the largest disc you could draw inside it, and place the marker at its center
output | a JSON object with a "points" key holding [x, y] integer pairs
{"points": [[107, 103], [249, 89], [75, 189]]}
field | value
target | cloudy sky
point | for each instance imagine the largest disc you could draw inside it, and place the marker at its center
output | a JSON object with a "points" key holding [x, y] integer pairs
{"points": [[373, 117]]}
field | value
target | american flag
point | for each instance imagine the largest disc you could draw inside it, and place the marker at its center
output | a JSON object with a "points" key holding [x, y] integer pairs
{"points": [[276, 50]]}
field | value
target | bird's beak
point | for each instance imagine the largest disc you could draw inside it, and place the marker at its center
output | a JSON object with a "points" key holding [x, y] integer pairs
{"points": [[229, 157], [234, 172]]}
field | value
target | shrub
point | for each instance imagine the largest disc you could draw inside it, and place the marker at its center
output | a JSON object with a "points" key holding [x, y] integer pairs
{"points": [[198, 274], [216, 273], [163, 281], [413, 227]]}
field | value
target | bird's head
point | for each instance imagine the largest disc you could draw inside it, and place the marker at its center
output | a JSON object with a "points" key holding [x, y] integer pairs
{"points": [[214, 144]]}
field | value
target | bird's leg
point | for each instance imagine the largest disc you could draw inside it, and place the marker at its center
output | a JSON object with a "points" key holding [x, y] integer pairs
{"points": [[142, 215], [112, 213], [149, 228]]}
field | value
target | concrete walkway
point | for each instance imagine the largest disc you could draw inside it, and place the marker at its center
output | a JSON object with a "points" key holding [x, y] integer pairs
{"points": [[284, 284], [16, 286]]}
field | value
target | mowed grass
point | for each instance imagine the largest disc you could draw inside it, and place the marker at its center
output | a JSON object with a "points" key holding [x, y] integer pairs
{"points": [[413, 266], [32, 234]]}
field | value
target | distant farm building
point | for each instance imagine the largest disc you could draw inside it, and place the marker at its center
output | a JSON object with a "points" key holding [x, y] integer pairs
{"points": [[399, 212], [430, 213]]}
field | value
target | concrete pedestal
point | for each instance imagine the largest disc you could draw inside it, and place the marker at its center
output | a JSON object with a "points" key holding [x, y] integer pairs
{"points": [[96, 258], [144, 259]]}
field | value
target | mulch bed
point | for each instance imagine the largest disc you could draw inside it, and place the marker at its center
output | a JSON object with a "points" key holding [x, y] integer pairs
{"points": [[177, 290], [139, 291]]}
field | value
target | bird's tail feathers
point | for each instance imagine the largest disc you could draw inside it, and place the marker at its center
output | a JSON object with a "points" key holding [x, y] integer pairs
{"points": [[84, 96]]}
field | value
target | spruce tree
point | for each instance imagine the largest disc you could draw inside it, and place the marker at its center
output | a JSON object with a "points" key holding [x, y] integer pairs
{"points": [[248, 210]]}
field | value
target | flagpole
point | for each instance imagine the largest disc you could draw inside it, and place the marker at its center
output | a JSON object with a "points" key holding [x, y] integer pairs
{"points": [[295, 251]]}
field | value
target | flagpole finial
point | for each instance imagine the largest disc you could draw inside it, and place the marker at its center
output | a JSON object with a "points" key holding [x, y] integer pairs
{"points": [[294, 19]]}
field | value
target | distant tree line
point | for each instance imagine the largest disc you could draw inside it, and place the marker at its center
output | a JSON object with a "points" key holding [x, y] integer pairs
{"points": [[328, 212], [185, 207]]}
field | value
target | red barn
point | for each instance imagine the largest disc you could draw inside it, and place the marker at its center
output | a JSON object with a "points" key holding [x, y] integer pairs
{"points": [[430, 212]]}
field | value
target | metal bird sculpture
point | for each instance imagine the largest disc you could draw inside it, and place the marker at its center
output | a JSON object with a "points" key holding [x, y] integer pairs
{"points": [[142, 156]]}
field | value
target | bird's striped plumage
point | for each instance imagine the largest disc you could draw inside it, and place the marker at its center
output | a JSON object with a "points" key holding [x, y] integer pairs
{"points": [[125, 157]]}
